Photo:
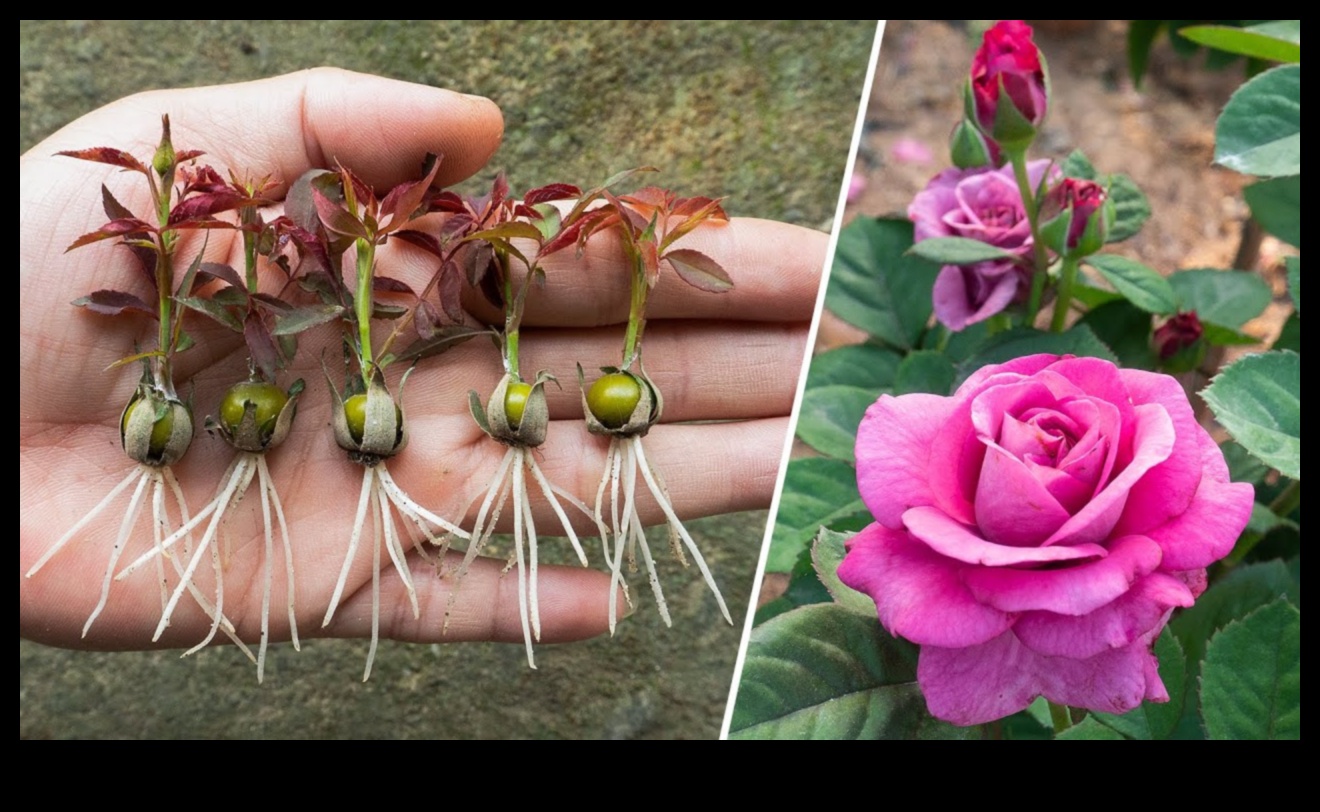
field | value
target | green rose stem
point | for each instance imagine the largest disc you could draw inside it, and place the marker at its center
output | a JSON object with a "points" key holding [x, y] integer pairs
{"points": [[632, 337], [1067, 278], [1059, 717], [1019, 160]]}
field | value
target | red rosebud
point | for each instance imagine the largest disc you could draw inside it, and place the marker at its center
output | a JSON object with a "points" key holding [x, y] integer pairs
{"points": [[1177, 334], [1008, 58], [1074, 217]]}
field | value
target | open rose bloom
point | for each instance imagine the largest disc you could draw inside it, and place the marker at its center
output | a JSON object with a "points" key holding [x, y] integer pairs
{"points": [[1035, 530]]}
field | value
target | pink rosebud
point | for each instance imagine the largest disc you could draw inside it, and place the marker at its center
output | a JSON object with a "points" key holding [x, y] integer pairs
{"points": [[1178, 333], [979, 204], [1008, 59], [1035, 530], [1069, 209], [856, 187]]}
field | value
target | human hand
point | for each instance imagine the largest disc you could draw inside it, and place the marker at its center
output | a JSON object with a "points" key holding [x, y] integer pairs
{"points": [[734, 356]]}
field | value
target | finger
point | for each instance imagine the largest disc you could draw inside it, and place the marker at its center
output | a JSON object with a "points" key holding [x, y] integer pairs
{"points": [[283, 126], [775, 267], [573, 604]]}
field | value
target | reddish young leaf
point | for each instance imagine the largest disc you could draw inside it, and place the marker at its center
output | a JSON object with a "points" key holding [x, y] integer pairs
{"points": [[425, 320], [650, 262], [299, 204], [335, 218], [114, 228], [499, 190], [384, 284], [420, 239], [261, 345], [187, 155], [688, 206], [549, 192], [446, 201], [365, 197], [403, 201], [113, 208], [203, 180], [699, 270], [302, 318], [223, 272], [711, 212], [215, 310], [272, 304], [204, 205], [444, 338], [567, 236], [450, 291], [508, 231], [106, 155], [114, 302]]}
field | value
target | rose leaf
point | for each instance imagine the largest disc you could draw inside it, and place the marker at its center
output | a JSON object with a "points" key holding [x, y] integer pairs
{"points": [[827, 554], [824, 672], [1251, 682], [876, 286], [1141, 285], [1258, 399], [1022, 341], [924, 371], [1294, 265], [829, 418], [1227, 298], [958, 251], [869, 366], [1277, 205], [1244, 589], [818, 491], [1276, 41], [1260, 130]]}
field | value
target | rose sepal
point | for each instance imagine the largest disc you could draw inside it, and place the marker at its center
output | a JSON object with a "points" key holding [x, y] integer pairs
{"points": [[531, 429], [138, 433], [384, 431], [248, 435], [644, 415]]}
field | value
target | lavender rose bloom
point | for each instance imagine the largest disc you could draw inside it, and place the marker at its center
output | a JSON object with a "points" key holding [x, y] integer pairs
{"points": [[978, 204], [1035, 530]]}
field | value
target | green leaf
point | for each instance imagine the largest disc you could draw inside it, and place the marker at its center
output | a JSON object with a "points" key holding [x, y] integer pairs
{"points": [[1242, 590], [1139, 284], [1277, 205], [1260, 130], [1141, 35], [1020, 341], [211, 308], [1251, 683], [958, 251], [1089, 730], [1219, 336], [302, 318], [818, 491], [1131, 208], [1077, 165], [827, 554], [924, 371], [829, 418], [874, 285], [1258, 399], [1125, 329], [824, 672], [1290, 337], [1280, 41], [1294, 265], [1227, 298], [868, 366], [1157, 720], [1088, 292], [1242, 467]]}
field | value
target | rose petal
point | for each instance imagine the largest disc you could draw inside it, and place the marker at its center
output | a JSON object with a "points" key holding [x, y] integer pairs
{"points": [[978, 684], [918, 594], [1167, 489], [1144, 607], [1073, 590], [1153, 441], [926, 211], [1207, 530], [950, 538], [1013, 506], [894, 442], [964, 296]]}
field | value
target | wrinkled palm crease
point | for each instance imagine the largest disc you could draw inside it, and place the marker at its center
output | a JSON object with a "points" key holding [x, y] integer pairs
{"points": [[623, 461], [384, 497], [161, 479], [510, 481]]}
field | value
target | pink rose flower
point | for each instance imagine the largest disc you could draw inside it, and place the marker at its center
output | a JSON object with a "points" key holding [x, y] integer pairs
{"points": [[979, 204], [1035, 530], [1009, 58]]}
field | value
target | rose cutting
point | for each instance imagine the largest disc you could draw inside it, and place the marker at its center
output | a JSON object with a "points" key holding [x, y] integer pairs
{"points": [[1035, 530]]}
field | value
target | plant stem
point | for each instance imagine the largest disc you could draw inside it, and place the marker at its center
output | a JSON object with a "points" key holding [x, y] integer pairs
{"points": [[362, 302], [1059, 716], [1042, 262], [1067, 276], [632, 339], [246, 217], [1287, 500], [512, 316]]}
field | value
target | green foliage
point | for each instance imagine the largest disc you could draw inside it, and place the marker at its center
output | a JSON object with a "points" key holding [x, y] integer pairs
{"points": [[1227, 298], [1089, 729], [877, 286], [1156, 720], [829, 418], [826, 672], [1260, 130], [869, 366], [958, 251], [1277, 205], [925, 371], [1294, 265], [818, 492], [826, 555], [1125, 329], [1020, 341], [1258, 399], [1276, 41], [1239, 592], [1131, 208], [1139, 284], [1251, 682]]}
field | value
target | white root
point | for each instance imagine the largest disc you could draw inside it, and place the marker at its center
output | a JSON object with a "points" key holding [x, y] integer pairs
{"points": [[368, 478], [519, 509], [125, 527], [138, 471], [648, 473]]}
